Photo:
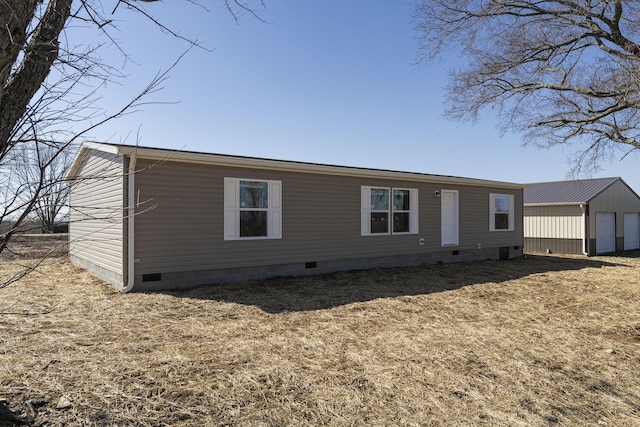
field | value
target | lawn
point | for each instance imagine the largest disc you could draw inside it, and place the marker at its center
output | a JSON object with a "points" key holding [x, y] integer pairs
{"points": [[538, 341]]}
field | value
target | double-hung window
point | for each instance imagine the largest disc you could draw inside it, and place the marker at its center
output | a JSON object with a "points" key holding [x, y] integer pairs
{"points": [[501, 212], [389, 211], [252, 209]]}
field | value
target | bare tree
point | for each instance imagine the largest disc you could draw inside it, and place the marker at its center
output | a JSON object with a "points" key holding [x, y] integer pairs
{"points": [[559, 72], [51, 85], [44, 170], [34, 171]]}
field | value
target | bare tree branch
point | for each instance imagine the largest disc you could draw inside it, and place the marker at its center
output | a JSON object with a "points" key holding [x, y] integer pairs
{"points": [[559, 72], [51, 89]]}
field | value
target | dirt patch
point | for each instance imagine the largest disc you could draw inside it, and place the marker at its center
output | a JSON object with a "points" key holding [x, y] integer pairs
{"points": [[543, 340]]}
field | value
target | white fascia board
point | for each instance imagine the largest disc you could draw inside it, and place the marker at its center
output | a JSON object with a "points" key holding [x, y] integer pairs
{"points": [[292, 166], [98, 146]]}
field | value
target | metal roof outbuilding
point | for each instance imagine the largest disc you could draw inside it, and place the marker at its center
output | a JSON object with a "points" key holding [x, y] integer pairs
{"points": [[566, 192]]}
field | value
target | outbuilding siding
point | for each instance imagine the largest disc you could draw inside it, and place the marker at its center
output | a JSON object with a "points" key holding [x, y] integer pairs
{"points": [[619, 199], [563, 216], [554, 229], [564, 222]]}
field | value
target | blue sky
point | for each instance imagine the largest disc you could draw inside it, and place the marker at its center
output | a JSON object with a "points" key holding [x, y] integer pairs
{"points": [[327, 81]]}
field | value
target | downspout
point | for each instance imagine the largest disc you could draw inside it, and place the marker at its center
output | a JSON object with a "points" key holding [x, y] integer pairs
{"points": [[131, 200], [585, 234]]}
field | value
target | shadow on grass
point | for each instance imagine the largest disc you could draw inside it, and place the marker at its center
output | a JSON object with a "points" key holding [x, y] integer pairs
{"points": [[8, 417], [290, 294], [626, 254]]}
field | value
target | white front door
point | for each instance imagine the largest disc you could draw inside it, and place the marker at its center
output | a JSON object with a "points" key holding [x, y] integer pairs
{"points": [[605, 232], [631, 231], [449, 217]]}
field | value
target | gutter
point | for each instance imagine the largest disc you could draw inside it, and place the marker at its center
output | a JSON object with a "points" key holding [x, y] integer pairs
{"points": [[554, 204], [131, 199]]}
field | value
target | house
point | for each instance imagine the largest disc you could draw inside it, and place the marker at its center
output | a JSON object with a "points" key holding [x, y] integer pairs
{"points": [[148, 219], [590, 216]]}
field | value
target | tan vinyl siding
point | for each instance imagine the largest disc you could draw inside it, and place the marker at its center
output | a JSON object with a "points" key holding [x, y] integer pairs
{"points": [[180, 221], [96, 220], [560, 222], [474, 219]]}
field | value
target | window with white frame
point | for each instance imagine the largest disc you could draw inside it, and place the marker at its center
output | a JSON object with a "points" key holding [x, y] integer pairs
{"points": [[501, 212], [252, 209], [389, 210]]}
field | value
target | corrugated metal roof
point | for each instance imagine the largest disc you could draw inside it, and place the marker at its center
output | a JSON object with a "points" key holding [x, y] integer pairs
{"points": [[565, 192]]}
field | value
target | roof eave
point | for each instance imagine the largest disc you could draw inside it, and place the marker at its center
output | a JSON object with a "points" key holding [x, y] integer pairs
{"points": [[555, 204], [159, 154]]}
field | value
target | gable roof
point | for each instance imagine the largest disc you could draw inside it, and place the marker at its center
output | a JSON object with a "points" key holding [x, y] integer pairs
{"points": [[161, 154], [566, 192]]}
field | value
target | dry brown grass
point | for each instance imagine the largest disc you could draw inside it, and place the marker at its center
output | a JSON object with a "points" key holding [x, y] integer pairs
{"points": [[544, 340]]}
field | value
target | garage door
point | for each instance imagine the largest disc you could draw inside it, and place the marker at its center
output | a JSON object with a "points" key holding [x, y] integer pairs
{"points": [[605, 232], [631, 231]]}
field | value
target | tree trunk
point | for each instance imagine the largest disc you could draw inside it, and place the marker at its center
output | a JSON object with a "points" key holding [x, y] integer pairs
{"points": [[21, 82]]}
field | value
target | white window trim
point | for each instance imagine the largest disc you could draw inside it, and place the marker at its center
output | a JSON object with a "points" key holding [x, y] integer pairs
{"points": [[232, 209], [365, 209], [492, 212]]}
